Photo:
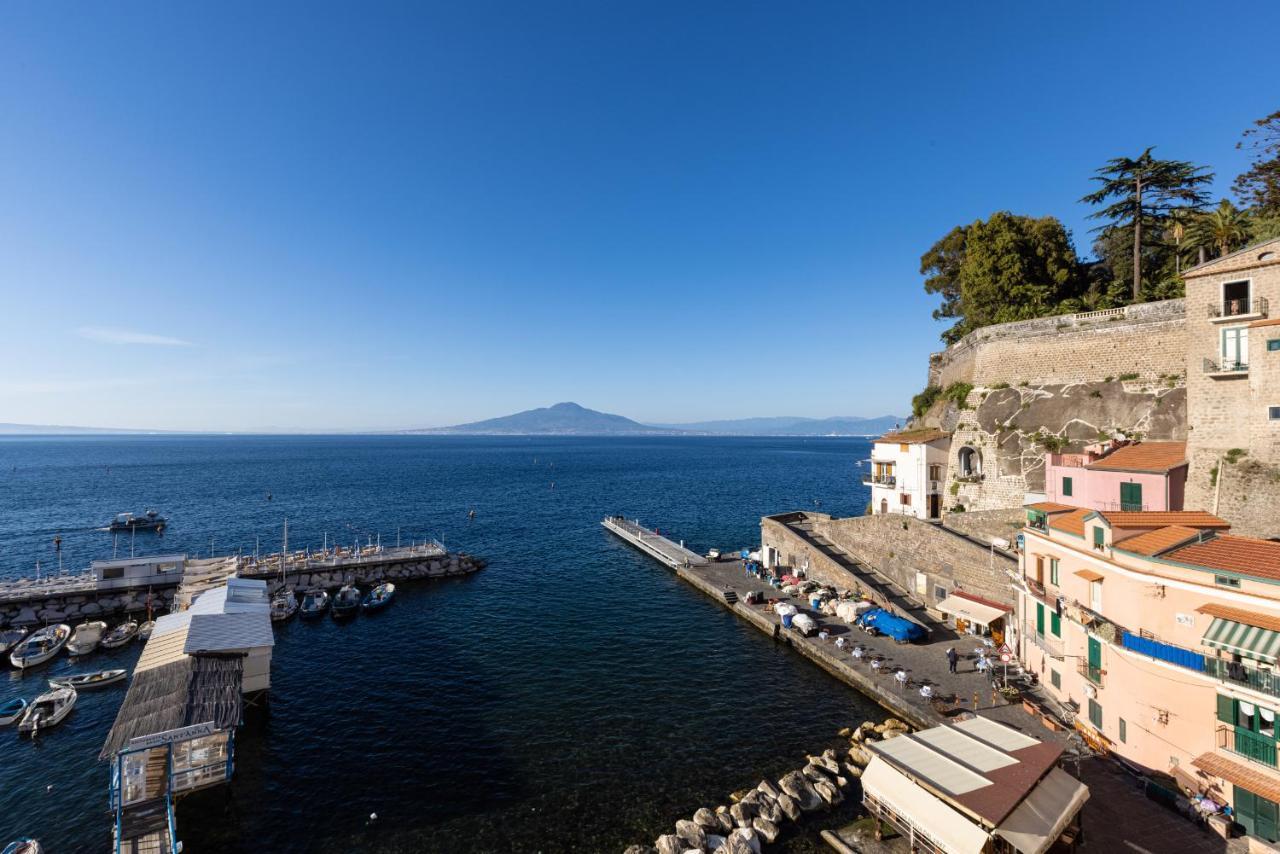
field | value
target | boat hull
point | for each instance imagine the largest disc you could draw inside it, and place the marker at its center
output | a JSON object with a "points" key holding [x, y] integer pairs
{"points": [[22, 660], [11, 712]]}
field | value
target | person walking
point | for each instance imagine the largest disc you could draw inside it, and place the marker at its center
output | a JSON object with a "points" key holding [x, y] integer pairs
{"points": [[952, 659]]}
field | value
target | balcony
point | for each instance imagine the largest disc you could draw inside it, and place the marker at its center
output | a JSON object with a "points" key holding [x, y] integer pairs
{"points": [[971, 477], [1093, 673], [1051, 645], [1237, 673], [1238, 309], [885, 480], [1251, 745], [1225, 368]]}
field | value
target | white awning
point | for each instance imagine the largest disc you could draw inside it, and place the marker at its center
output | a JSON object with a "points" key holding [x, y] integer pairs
{"points": [[971, 611], [930, 815], [1039, 820]]}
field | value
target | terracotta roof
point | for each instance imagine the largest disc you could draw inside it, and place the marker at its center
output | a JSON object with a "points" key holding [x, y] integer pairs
{"points": [[1274, 321], [1161, 518], [1051, 507], [990, 603], [1089, 575], [1157, 457], [1240, 615], [1245, 555], [914, 437], [1238, 774], [1151, 543], [1071, 523]]}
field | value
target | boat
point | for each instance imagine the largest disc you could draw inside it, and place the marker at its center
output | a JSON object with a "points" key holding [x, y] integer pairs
{"points": [[89, 681], [120, 635], [144, 630], [347, 602], [41, 646], [315, 603], [379, 597], [25, 845], [12, 710], [86, 637], [48, 710], [283, 606], [127, 522], [10, 638]]}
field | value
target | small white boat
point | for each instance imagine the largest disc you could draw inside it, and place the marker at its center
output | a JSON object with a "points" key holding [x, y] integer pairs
{"points": [[86, 637], [144, 630], [10, 638], [40, 647], [283, 606], [89, 681], [315, 603], [12, 710], [379, 597], [120, 635], [48, 710], [25, 845]]}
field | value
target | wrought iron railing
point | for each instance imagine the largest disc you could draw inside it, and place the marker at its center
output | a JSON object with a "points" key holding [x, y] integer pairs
{"points": [[1237, 673], [880, 480], [971, 477], [1239, 307], [1092, 672], [1251, 745], [1225, 367]]}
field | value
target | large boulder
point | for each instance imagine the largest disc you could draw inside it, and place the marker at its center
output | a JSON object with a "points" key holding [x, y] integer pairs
{"points": [[691, 833], [715, 842], [894, 723], [767, 829], [892, 733], [850, 770], [859, 756], [816, 774], [743, 813], [830, 764], [638, 849], [706, 819], [829, 793], [742, 841], [669, 843], [767, 788], [789, 807], [797, 786], [725, 820], [771, 811]]}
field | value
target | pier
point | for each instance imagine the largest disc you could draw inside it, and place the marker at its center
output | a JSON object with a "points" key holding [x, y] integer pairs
{"points": [[652, 543]]}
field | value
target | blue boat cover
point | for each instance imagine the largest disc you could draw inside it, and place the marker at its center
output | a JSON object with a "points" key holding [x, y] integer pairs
{"points": [[895, 627]]}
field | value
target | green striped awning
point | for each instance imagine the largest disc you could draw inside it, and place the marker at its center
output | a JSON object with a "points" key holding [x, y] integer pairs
{"points": [[1247, 641]]}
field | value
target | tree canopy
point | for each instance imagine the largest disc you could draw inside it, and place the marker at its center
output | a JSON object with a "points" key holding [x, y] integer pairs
{"points": [[1259, 186]]}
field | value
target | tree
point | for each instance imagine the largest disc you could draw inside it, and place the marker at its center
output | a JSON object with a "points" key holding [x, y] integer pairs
{"points": [[941, 266], [1141, 192], [1224, 229], [1259, 187]]}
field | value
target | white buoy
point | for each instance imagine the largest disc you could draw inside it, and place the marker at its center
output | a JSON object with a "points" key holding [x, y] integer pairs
{"points": [[373, 816]]}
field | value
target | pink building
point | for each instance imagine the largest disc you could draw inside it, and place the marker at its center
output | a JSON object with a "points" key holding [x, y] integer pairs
{"points": [[1119, 475]]}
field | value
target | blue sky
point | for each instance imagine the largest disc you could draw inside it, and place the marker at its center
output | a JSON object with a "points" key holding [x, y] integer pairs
{"points": [[275, 216]]}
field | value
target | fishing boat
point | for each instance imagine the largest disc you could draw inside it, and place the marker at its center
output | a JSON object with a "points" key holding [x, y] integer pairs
{"points": [[12, 710], [48, 710], [10, 638], [379, 597], [120, 635], [144, 629], [314, 603], [347, 602], [127, 522], [89, 681], [25, 845], [41, 646], [283, 606], [86, 637]]}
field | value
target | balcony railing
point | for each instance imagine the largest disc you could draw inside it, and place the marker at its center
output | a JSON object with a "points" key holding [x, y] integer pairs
{"points": [[1237, 673], [971, 477], [880, 480], [1251, 745], [1225, 367], [1091, 672], [1123, 505], [1050, 644], [1239, 308]]}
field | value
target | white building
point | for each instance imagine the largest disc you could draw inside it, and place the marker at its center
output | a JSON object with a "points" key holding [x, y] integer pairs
{"points": [[908, 471]]}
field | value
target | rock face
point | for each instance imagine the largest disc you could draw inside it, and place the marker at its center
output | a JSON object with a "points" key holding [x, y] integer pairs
{"points": [[691, 833], [706, 819], [797, 786], [789, 807], [765, 828]]}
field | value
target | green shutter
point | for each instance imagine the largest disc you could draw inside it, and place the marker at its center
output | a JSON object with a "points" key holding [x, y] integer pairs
{"points": [[1130, 496], [1095, 714], [1226, 709], [1124, 733], [1053, 571], [1099, 537], [1039, 619], [1055, 624], [1066, 487], [1095, 652]]}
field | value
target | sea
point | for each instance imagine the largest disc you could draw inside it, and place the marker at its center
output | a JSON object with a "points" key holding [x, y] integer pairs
{"points": [[573, 696]]}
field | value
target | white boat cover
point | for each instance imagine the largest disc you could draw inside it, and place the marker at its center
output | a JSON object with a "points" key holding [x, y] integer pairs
{"points": [[847, 611], [804, 622], [930, 815], [782, 609], [1039, 820]]}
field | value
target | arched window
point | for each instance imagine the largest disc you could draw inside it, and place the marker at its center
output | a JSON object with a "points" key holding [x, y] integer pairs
{"points": [[970, 462]]}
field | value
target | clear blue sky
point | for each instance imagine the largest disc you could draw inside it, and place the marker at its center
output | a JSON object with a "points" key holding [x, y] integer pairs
{"points": [[272, 216]]}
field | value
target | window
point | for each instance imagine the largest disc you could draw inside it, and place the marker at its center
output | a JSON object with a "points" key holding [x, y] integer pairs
{"points": [[1053, 571], [1124, 734], [904, 499], [970, 462], [1095, 714], [1130, 496], [1273, 345], [1055, 678], [1235, 348], [1055, 624], [1095, 595], [1040, 619], [939, 593], [113, 572], [1235, 298], [1066, 487], [1040, 569], [1226, 581], [1099, 538], [1273, 412], [904, 448], [935, 470]]}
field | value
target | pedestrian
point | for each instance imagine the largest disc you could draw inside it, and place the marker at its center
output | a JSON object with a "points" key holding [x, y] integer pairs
{"points": [[952, 659]]}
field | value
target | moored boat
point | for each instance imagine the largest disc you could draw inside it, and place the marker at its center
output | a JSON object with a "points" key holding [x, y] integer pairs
{"points": [[124, 522], [48, 710], [380, 596], [86, 637], [347, 602], [315, 603], [89, 681], [10, 638], [41, 646], [120, 635], [144, 629], [25, 845], [283, 606], [12, 710]]}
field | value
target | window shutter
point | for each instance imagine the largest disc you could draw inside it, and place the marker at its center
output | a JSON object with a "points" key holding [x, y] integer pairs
{"points": [[1066, 486], [1055, 624], [1226, 709]]}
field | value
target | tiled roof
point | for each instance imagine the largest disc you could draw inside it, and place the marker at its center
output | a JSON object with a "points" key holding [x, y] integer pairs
{"points": [[1153, 542], [1161, 518], [914, 437], [1144, 457], [1245, 555], [1090, 575], [991, 603], [1050, 507], [1238, 774], [1240, 615], [1071, 523]]}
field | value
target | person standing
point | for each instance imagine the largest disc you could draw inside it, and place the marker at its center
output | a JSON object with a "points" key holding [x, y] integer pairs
{"points": [[952, 659]]}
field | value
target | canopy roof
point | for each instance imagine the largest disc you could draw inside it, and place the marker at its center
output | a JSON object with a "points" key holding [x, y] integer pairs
{"points": [[190, 690], [1040, 819], [1245, 640], [972, 609]]}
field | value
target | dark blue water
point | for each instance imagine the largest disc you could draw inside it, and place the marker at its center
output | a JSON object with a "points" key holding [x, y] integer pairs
{"points": [[573, 696]]}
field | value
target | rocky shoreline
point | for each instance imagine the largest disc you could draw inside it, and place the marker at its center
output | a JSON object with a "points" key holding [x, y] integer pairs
{"points": [[758, 816]]}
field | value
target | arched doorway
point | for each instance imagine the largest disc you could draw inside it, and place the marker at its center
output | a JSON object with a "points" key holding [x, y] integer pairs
{"points": [[970, 462], [884, 506]]}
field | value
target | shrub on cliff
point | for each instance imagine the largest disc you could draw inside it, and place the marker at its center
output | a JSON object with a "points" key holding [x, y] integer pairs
{"points": [[921, 402]]}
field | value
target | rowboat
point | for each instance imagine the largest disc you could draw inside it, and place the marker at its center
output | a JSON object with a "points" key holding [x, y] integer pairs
{"points": [[347, 602], [48, 710], [314, 603], [12, 710], [41, 646], [25, 845], [144, 630], [10, 638], [86, 637], [379, 597], [88, 681], [283, 606], [120, 635]]}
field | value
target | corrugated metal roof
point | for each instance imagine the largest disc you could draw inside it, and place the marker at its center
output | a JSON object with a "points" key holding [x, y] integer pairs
{"points": [[219, 632], [1003, 737], [964, 747], [939, 769], [163, 649]]}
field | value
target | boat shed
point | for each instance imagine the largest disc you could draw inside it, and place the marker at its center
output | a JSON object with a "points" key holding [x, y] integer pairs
{"points": [[974, 787]]}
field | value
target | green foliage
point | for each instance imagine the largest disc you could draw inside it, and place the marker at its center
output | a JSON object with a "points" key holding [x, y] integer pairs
{"points": [[921, 402], [955, 489], [1220, 231], [1127, 377], [959, 508], [1049, 441], [1108, 378], [1259, 186], [1023, 384], [999, 386], [1233, 456], [958, 393], [1213, 476], [1095, 393]]}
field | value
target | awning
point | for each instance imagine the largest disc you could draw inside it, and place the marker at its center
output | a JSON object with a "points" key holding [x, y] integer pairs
{"points": [[1090, 575], [1238, 774], [973, 612], [1247, 641], [929, 814], [1039, 820]]}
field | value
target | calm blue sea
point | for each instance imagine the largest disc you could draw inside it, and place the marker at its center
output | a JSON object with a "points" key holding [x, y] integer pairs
{"points": [[574, 696]]}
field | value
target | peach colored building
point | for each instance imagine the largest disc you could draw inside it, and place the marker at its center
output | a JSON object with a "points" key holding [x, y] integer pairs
{"points": [[1160, 631], [1119, 475]]}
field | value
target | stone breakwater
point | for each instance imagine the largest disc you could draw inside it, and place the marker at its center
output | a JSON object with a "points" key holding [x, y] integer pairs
{"points": [[71, 607], [759, 816], [440, 566]]}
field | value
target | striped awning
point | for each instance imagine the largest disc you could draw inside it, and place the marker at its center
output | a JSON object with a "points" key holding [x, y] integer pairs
{"points": [[1247, 641]]}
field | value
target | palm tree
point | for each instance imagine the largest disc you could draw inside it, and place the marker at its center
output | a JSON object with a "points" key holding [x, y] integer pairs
{"points": [[1224, 229]]}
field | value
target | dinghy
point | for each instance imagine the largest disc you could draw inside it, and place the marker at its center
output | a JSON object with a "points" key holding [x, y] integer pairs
{"points": [[48, 710], [10, 638], [315, 603], [380, 596], [347, 602], [86, 637], [144, 630], [120, 635], [40, 647], [283, 606], [12, 710], [25, 845], [88, 681]]}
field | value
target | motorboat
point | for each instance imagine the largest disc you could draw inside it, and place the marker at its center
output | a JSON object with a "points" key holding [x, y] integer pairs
{"points": [[315, 603], [48, 710], [12, 710], [41, 646], [89, 681], [86, 637], [25, 845], [128, 522], [283, 606], [347, 602], [120, 635], [144, 630], [379, 597], [9, 638]]}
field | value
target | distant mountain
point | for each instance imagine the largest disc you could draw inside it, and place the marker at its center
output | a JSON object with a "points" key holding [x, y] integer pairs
{"points": [[794, 426], [564, 419], [61, 430]]}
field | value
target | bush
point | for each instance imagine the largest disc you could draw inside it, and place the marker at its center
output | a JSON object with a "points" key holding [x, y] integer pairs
{"points": [[1049, 441], [1127, 377], [959, 508], [955, 488], [999, 386], [1095, 393], [1233, 456], [921, 403], [958, 393], [1107, 379]]}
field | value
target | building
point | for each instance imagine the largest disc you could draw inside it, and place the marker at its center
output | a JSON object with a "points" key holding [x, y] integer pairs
{"points": [[1160, 631], [159, 570], [908, 469], [973, 787], [1119, 475]]}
